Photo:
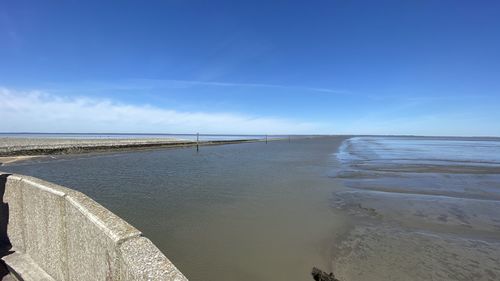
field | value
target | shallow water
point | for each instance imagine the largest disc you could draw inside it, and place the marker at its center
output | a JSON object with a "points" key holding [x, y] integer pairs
{"points": [[464, 168], [250, 211], [440, 151]]}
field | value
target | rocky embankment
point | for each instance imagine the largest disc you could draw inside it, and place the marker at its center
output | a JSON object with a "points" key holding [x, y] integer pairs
{"points": [[320, 275], [38, 146], [48, 146]]}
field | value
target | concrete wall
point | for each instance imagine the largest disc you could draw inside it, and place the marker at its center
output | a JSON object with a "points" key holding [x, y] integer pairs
{"points": [[71, 237]]}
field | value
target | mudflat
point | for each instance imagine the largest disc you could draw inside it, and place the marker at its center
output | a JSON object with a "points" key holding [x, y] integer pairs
{"points": [[423, 209]]}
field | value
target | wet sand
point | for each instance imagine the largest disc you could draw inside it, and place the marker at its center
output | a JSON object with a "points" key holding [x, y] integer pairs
{"points": [[12, 159], [413, 222], [392, 253]]}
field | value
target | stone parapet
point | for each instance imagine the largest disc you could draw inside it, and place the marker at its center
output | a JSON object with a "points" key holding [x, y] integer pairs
{"points": [[71, 237]]}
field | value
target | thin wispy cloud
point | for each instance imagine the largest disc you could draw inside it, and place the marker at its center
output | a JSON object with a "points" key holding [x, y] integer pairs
{"points": [[257, 85], [150, 84], [45, 112]]}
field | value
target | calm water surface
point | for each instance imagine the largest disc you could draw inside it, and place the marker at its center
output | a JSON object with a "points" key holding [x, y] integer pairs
{"points": [[236, 212]]}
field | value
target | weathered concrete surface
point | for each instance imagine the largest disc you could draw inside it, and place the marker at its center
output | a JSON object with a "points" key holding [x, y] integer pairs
{"points": [[23, 268], [71, 237], [94, 234], [44, 230], [141, 260]]}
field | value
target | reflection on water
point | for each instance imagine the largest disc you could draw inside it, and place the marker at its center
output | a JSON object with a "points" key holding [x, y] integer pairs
{"points": [[467, 168], [250, 211], [439, 151]]}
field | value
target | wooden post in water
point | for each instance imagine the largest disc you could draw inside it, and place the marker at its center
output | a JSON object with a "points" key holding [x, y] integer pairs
{"points": [[266, 139], [197, 142]]}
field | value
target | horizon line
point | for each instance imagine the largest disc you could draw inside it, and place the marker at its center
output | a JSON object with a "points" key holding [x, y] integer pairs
{"points": [[222, 134]]}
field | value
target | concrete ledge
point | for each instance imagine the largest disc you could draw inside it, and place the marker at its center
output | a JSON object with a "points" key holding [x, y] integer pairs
{"points": [[141, 260], [23, 268], [110, 224], [71, 237]]}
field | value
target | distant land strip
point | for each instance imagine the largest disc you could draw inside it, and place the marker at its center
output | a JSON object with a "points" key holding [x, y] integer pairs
{"points": [[84, 147]]}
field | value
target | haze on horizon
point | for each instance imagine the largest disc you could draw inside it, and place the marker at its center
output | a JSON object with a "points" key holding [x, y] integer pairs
{"points": [[253, 67]]}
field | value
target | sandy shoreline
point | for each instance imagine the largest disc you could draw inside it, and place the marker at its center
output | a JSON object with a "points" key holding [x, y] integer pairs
{"points": [[11, 159]]}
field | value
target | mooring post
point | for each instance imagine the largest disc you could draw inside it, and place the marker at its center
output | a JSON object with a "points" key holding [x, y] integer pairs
{"points": [[266, 139], [197, 142]]}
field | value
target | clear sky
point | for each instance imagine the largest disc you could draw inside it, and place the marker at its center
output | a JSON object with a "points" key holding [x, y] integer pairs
{"points": [[330, 67]]}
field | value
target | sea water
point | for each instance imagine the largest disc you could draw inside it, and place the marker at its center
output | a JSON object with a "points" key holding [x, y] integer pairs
{"points": [[247, 212]]}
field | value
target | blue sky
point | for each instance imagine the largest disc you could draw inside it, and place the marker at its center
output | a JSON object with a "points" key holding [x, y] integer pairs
{"points": [[329, 67]]}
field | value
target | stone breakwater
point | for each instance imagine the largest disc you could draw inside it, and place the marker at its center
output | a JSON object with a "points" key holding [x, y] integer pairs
{"points": [[50, 232], [37, 146], [47, 146]]}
